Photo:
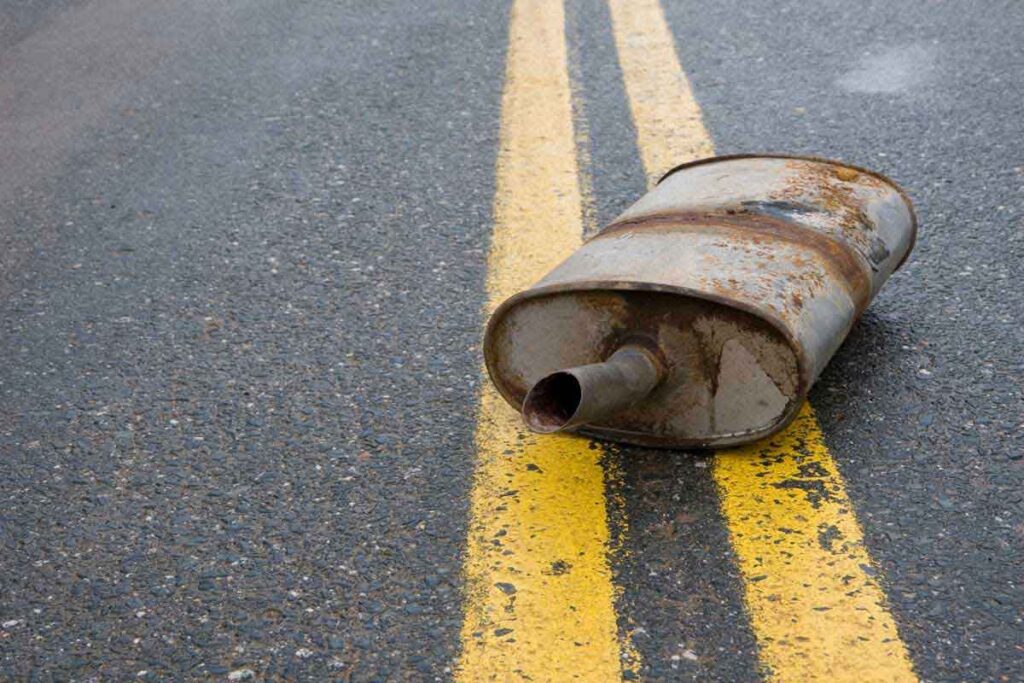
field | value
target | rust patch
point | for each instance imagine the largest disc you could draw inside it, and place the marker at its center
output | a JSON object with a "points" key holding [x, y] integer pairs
{"points": [[846, 173], [831, 190], [838, 256], [668, 325]]}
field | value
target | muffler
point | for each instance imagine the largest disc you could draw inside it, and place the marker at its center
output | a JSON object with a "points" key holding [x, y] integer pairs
{"points": [[702, 315]]}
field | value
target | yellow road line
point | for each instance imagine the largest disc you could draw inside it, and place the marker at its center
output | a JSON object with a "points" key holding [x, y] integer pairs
{"points": [[539, 599], [669, 126], [815, 607]]}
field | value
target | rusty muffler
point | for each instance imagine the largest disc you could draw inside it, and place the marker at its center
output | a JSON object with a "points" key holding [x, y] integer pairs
{"points": [[703, 314]]}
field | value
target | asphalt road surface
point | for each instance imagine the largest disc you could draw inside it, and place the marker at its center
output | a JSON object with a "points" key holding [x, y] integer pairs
{"points": [[243, 264]]}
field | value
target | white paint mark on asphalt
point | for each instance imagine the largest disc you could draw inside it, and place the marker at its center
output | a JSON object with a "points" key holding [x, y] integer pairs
{"points": [[894, 70]]}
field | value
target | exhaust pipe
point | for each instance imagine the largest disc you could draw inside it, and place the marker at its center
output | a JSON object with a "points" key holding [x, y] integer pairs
{"points": [[702, 315], [568, 399]]}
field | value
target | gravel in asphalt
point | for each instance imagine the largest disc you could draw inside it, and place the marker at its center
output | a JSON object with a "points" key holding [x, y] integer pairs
{"points": [[243, 254], [238, 360]]}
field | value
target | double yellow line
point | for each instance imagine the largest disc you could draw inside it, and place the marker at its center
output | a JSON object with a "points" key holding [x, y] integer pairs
{"points": [[539, 596], [540, 601]]}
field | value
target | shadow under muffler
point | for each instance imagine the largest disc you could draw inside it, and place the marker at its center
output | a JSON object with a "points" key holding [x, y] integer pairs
{"points": [[702, 315]]}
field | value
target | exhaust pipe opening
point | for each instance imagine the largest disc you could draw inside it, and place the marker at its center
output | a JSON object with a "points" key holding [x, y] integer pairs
{"points": [[575, 397], [552, 402]]}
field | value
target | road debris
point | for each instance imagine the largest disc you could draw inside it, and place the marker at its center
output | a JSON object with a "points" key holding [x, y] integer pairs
{"points": [[703, 314]]}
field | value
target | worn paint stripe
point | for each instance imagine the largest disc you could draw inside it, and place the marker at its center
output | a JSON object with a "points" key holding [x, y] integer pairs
{"points": [[810, 587], [669, 126], [539, 597]]}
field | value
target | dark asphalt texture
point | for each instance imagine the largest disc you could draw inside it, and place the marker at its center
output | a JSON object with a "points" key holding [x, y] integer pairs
{"points": [[234, 422], [241, 281]]}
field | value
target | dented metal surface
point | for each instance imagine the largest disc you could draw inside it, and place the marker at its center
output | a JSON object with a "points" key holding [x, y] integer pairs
{"points": [[745, 274]]}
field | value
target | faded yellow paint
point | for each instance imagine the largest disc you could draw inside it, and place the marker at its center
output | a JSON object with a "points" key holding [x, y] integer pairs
{"points": [[669, 126], [810, 588], [814, 599], [539, 596]]}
